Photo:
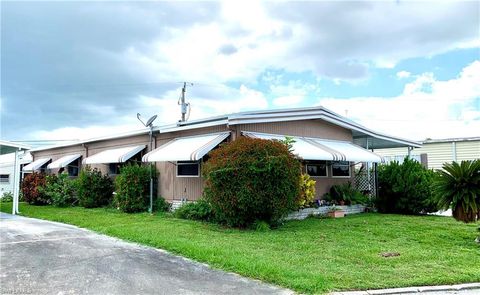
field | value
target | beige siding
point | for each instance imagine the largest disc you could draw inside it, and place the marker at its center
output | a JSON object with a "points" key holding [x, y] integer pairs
{"points": [[468, 150], [309, 128], [439, 153]]}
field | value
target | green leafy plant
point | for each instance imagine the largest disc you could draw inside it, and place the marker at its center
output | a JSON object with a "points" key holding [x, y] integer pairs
{"points": [[61, 190], [405, 188], [252, 179], [161, 205], [199, 210], [132, 188], [457, 186], [31, 189], [345, 194], [7, 197], [307, 191], [93, 188]]}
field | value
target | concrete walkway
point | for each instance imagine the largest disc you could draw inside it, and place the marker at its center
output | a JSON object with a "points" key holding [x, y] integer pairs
{"points": [[42, 257], [461, 289]]}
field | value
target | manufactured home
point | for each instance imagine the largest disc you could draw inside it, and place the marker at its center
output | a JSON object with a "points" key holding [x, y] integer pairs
{"points": [[435, 152], [329, 145]]}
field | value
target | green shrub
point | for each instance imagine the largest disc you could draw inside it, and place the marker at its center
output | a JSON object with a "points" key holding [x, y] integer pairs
{"points": [[7, 197], [132, 188], [61, 190], [346, 194], [93, 188], [199, 210], [31, 189], [261, 226], [307, 191], [161, 205], [252, 179], [405, 188]]}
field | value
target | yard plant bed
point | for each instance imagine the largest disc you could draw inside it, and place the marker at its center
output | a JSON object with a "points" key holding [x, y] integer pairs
{"points": [[309, 256]]}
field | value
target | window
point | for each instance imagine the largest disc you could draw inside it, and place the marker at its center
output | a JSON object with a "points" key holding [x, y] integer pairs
{"points": [[341, 169], [317, 169], [114, 168], [73, 168], [188, 169], [4, 178]]}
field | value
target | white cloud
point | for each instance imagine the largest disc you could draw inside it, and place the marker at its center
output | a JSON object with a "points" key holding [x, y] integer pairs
{"points": [[427, 108], [403, 74]]}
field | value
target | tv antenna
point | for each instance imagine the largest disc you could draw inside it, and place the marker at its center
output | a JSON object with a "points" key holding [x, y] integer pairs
{"points": [[184, 106]]}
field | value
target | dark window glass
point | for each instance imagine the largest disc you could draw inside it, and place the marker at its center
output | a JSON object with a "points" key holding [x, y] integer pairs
{"points": [[114, 168], [317, 169], [72, 171], [341, 169], [4, 178], [188, 168]]}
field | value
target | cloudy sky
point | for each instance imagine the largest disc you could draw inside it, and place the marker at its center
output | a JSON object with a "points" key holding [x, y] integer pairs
{"points": [[75, 70]]}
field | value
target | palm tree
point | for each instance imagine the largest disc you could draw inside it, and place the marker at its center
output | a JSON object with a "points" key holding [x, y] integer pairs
{"points": [[458, 187]]}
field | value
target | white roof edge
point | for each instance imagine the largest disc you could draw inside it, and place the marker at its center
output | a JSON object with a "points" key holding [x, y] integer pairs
{"points": [[457, 139], [15, 145]]}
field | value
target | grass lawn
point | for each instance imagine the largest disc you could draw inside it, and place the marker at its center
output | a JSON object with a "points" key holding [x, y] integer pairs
{"points": [[310, 256]]}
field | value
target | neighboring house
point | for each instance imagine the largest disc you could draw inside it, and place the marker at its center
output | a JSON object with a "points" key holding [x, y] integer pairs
{"points": [[329, 144], [435, 152], [13, 156]]}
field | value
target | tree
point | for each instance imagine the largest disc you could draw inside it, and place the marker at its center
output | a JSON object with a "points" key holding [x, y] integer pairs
{"points": [[458, 187]]}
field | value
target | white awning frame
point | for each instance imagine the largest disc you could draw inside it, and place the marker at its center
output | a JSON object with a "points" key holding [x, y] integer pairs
{"points": [[189, 148], [35, 165], [117, 155], [310, 148], [63, 161]]}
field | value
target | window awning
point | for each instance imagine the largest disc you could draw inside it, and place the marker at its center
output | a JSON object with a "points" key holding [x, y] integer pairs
{"points": [[118, 155], [310, 148], [63, 161], [191, 148], [35, 165]]}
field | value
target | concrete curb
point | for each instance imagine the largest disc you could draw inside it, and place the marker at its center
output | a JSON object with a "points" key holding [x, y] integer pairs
{"points": [[413, 290]]}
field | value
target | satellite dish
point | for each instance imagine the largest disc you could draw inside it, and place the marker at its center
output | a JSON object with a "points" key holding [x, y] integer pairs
{"points": [[150, 121]]}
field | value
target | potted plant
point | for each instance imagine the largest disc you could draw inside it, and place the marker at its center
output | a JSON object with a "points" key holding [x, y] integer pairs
{"points": [[336, 212]]}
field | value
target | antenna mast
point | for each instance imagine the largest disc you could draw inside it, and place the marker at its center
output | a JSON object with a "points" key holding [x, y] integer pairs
{"points": [[182, 103]]}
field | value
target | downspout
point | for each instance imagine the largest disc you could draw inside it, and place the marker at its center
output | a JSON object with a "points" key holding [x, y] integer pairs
{"points": [[454, 151]]}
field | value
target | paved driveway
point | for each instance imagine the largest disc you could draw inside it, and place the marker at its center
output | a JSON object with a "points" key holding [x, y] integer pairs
{"points": [[42, 257]]}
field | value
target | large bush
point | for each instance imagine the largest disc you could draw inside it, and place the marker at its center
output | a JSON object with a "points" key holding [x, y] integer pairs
{"points": [[61, 190], [93, 188], [252, 179], [32, 189], [132, 188], [405, 188]]}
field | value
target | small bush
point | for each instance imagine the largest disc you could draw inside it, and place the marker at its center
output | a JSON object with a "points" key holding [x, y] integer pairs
{"points": [[7, 197], [93, 188], [307, 191], [252, 179], [31, 189], [161, 205], [345, 194], [199, 210], [61, 190], [405, 188], [261, 226], [132, 188]]}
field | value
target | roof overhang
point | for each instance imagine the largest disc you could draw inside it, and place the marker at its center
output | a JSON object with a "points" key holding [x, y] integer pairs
{"points": [[7, 147]]}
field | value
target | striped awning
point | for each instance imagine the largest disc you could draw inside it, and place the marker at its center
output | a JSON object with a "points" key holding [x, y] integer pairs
{"points": [[35, 165], [310, 148], [118, 155], [191, 148], [63, 161]]}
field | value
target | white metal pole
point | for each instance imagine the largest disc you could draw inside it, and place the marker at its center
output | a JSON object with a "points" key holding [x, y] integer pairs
{"points": [[16, 183]]}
